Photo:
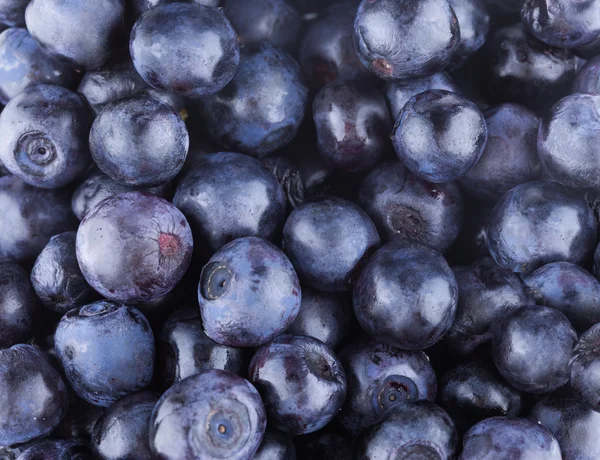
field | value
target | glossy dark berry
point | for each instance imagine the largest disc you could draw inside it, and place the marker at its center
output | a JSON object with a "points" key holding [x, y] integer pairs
{"points": [[17, 305], [275, 446], [585, 368], [215, 414], [51, 449], [474, 24], [12, 12]]}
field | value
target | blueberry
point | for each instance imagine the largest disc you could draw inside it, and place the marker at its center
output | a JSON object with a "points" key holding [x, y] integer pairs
{"points": [[439, 135], [227, 196], [406, 296], [83, 33], [79, 420], [474, 23], [248, 293], [588, 78], [397, 39], [326, 239], [262, 107], [17, 305], [31, 216], [275, 446], [214, 414], [34, 396], [585, 368], [201, 64], [106, 351], [532, 348], [145, 243], [301, 382], [510, 155], [540, 222], [24, 63], [139, 141], [501, 438], [12, 12], [404, 207], [44, 131], [487, 293], [122, 432], [184, 349], [353, 125], [380, 376], [417, 429], [52, 449]]}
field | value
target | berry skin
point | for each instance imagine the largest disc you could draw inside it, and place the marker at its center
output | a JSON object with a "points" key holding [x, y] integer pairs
{"points": [[18, 305], [50, 449], [585, 368], [12, 12], [275, 446], [474, 23]]}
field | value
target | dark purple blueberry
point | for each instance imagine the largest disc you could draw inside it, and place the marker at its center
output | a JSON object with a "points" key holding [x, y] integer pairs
{"points": [[301, 382], [106, 351], [474, 24], [53, 449], [215, 414], [406, 296], [439, 135], [541, 222], [44, 133], [201, 64], [275, 446], [326, 239], [397, 39], [585, 368], [134, 247], [248, 293], [262, 107], [227, 196], [587, 80], [353, 125], [17, 305], [380, 376], [12, 12], [404, 207], [33, 395]]}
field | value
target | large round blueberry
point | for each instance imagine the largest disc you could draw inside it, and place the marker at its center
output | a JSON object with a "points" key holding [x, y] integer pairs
{"points": [[248, 293], [12, 12], [44, 133], [275, 446], [474, 24], [301, 381], [106, 351], [134, 247], [541, 222], [326, 239], [406, 296], [17, 305], [211, 415], [139, 141], [51, 449], [380, 376], [227, 196], [585, 368], [261, 109], [33, 396], [186, 48], [397, 39]]}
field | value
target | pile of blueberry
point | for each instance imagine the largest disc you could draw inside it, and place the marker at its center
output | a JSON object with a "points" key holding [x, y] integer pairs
{"points": [[300, 229]]}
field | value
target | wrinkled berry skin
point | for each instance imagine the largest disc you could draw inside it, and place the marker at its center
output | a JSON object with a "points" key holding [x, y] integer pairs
{"points": [[139, 141], [57, 278], [406, 296], [215, 414], [532, 348], [31, 217], [201, 64], [134, 247], [397, 39], [275, 446], [273, 21], [418, 429], [585, 368], [301, 382], [475, 391], [289, 177], [52, 449], [92, 31], [404, 207], [17, 305], [122, 432], [500, 438], [106, 351], [12, 12], [33, 395], [24, 63], [326, 239], [540, 222], [353, 125], [44, 133], [262, 107], [184, 349], [227, 196], [474, 23], [587, 80], [487, 293], [248, 293], [439, 135], [327, 48], [380, 376], [510, 155]]}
